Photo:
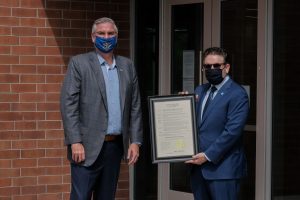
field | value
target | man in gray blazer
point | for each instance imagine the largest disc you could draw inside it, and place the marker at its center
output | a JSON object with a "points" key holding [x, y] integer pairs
{"points": [[101, 113]]}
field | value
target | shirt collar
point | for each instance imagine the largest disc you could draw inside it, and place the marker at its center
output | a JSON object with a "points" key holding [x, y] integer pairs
{"points": [[103, 62]]}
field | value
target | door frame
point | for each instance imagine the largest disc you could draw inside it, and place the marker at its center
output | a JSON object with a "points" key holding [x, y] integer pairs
{"points": [[264, 87], [165, 78]]}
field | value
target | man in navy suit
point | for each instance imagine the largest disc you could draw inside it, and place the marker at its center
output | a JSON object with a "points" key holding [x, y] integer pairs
{"points": [[217, 169], [101, 113]]}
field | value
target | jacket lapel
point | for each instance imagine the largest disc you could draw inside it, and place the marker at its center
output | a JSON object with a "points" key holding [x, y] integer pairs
{"points": [[218, 98], [95, 64], [201, 98]]}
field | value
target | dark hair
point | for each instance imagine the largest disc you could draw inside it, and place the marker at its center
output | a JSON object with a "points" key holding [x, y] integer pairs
{"points": [[216, 51]]}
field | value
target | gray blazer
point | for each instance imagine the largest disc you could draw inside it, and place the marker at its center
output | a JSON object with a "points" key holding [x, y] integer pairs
{"points": [[84, 104]]}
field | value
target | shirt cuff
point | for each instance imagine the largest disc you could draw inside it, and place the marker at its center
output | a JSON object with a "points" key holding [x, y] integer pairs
{"points": [[207, 158]]}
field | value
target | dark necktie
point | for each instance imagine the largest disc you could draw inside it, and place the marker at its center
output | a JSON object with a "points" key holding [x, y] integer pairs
{"points": [[210, 97]]}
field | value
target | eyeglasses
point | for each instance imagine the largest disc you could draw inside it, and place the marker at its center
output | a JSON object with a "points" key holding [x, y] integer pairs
{"points": [[214, 66]]}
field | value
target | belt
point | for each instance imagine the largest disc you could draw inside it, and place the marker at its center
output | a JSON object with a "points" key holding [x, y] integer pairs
{"points": [[109, 138]]}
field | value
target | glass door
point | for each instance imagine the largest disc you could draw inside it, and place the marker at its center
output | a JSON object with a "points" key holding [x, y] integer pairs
{"points": [[187, 28], [185, 33]]}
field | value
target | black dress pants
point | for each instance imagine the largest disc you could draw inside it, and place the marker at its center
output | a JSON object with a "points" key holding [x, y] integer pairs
{"points": [[100, 179]]}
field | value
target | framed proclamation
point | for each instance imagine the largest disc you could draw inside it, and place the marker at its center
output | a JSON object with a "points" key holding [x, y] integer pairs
{"points": [[173, 128]]}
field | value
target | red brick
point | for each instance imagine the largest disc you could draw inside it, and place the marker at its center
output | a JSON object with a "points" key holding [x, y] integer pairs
{"points": [[48, 106], [58, 5], [23, 50], [48, 51], [33, 153], [9, 3], [9, 97], [33, 135], [5, 145], [54, 143], [9, 154], [54, 134], [54, 78], [49, 125], [53, 97], [10, 135], [5, 164], [10, 116], [33, 22], [5, 182], [37, 41], [39, 189], [73, 32], [58, 23], [23, 69], [58, 188], [50, 196], [36, 171], [5, 49], [33, 115], [58, 42], [82, 5], [25, 197], [9, 21], [8, 59], [5, 87], [56, 170], [4, 106], [52, 115], [25, 125], [23, 106], [6, 125], [32, 79], [49, 162], [32, 97], [9, 191], [49, 180], [49, 32], [48, 88], [24, 181], [5, 69], [23, 87], [9, 78], [24, 12], [32, 60], [73, 50], [55, 152], [24, 163], [50, 13], [81, 42], [49, 69], [55, 60], [9, 173], [5, 30], [24, 31], [32, 3], [24, 144], [67, 178]]}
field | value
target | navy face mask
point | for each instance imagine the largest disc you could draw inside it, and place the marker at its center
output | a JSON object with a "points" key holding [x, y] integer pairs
{"points": [[214, 76], [105, 45]]}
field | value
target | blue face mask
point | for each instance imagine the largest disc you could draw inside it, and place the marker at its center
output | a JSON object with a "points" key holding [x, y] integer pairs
{"points": [[105, 45]]}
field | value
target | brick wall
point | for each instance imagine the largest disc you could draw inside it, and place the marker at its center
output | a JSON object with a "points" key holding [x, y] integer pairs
{"points": [[37, 37]]}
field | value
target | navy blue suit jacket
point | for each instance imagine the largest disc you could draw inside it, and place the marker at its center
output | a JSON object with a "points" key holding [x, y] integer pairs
{"points": [[220, 131]]}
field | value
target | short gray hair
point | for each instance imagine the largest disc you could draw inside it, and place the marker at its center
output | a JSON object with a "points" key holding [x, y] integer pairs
{"points": [[104, 20]]}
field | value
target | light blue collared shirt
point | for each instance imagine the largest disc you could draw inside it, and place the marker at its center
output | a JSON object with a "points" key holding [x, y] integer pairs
{"points": [[111, 78]]}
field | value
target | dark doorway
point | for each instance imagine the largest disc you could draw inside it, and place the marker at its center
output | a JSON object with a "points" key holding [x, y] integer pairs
{"points": [[146, 62]]}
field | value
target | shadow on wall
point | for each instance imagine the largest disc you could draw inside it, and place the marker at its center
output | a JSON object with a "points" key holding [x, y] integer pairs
{"points": [[69, 24]]}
